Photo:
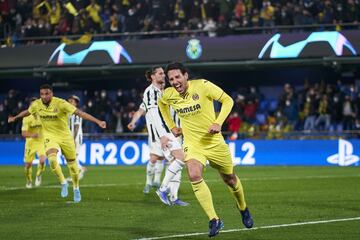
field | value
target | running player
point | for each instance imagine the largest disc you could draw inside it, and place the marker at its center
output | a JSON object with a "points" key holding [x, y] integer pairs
{"points": [[193, 101], [53, 113]]}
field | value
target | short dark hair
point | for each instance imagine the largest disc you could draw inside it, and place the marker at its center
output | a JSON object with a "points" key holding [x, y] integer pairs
{"points": [[150, 72], [175, 66], [76, 98], [46, 86]]}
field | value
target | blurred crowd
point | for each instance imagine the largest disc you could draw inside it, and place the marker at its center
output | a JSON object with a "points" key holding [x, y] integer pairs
{"points": [[318, 107], [33, 18]]}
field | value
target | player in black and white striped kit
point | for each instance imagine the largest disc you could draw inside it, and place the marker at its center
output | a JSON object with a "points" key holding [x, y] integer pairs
{"points": [[75, 123], [156, 129]]}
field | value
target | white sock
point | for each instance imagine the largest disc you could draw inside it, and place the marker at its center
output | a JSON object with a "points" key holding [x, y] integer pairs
{"points": [[150, 167], [174, 186], [159, 166], [175, 167]]}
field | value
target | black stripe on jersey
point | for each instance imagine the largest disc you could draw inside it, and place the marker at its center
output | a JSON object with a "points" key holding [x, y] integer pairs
{"points": [[220, 96], [155, 96], [152, 133], [157, 134], [174, 117], [162, 120], [148, 98]]}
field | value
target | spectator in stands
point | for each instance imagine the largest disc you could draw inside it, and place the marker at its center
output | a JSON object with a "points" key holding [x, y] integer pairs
{"points": [[309, 110], [323, 120], [267, 14], [3, 120], [290, 111], [233, 125], [336, 114], [348, 114], [93, 10]]}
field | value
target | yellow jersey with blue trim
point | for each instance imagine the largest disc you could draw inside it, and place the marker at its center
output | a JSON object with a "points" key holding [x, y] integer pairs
{"points": [[195, 109], [32, 125], [54, 117]]}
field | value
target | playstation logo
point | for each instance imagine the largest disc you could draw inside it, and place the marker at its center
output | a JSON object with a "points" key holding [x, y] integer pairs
{"points": [[345, 156]]}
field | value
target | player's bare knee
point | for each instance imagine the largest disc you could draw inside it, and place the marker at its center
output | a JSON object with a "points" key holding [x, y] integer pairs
{"points": [[194, 170], [42, 160], [194, 176], [28, 165], [229, 179]]}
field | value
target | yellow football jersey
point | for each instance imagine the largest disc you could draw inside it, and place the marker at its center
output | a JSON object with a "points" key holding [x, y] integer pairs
{"points": [[54, 117], [196, 111], [32, 124]]}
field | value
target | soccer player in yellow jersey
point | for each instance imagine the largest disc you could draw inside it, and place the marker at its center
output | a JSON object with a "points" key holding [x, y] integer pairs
{"points": [[193, 101], [53, 113], [34, 144]]}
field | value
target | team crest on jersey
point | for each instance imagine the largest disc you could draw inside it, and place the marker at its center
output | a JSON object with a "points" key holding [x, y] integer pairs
{"points": [[195, 97], [55, 110]]}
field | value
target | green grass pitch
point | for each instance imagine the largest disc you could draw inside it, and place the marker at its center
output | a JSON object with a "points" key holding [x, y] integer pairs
{"points": [[114, 207]]}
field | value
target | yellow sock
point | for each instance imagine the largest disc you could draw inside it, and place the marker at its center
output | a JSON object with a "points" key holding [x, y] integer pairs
{"points": [[203, 195], [55, 167], [28, 174], [40, 169], [238, 193], [74, 173]]}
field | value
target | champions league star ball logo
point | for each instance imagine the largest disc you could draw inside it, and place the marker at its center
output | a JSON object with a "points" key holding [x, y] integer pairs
{"points": [[194, 49], [336, 41], [114, 50]]}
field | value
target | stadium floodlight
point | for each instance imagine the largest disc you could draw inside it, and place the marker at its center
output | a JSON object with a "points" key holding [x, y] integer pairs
{"points": [[113, 49], [336, 40]]}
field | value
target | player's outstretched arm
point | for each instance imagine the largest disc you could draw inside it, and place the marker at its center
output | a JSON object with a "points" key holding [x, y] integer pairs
{"points": [[91, 118], [22, 114], [131, 126]]}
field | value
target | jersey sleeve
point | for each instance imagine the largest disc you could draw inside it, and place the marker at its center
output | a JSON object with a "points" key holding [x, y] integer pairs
{"points": [[25, 124], [158, 122], [216, 93], [33, 107], [143, 106], [212, 91], [67, 107], [164, 109]]}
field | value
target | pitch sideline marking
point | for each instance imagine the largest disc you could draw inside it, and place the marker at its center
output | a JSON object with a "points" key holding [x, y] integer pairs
{"points": [[5, 188], [255, 228]]}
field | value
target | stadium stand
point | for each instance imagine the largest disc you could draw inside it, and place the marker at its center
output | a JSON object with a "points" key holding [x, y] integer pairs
{"points": [[311, 108], [25, 19]]}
